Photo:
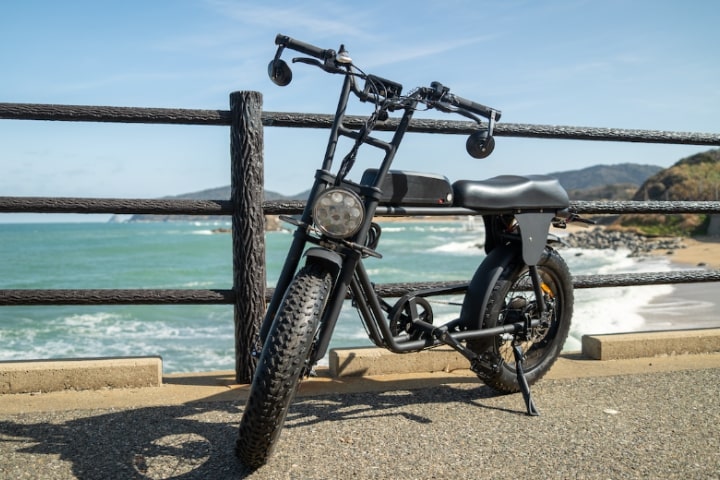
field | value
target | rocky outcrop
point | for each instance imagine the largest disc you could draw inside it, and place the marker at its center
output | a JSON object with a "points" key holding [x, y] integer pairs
{"points": [[605, 239]]}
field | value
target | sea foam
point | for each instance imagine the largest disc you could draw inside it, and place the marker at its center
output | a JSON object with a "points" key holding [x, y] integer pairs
{"points": [[200, 337]]}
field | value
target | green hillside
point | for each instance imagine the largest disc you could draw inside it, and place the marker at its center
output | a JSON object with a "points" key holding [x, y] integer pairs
{"points": [[695, 178]]}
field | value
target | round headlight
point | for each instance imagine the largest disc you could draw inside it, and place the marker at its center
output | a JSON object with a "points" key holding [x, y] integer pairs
{"points": [[338, 213]]}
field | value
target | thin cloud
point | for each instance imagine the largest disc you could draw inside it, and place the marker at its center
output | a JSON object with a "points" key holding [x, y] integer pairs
{"points": [[384, 57], [339, 19]]}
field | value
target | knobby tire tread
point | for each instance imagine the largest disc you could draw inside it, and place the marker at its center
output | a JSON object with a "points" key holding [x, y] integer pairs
{"points": [[281, 364]]}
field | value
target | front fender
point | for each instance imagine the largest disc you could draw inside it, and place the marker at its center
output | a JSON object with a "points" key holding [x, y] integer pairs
{"points": [[332, 260]]}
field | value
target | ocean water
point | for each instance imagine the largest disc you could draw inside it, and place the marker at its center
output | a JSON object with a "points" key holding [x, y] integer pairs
{"points": [[190, 255]]}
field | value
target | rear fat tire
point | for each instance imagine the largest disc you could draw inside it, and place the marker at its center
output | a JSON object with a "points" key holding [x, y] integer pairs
{"points": [[281, 364], [545, 346]]}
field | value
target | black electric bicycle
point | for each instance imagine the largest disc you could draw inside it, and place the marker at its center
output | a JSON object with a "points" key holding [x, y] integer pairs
{"points": [[517, 307]]}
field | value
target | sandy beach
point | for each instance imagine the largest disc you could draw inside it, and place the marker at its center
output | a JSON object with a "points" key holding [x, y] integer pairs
{"points": [[698, 251], [690, 305]]}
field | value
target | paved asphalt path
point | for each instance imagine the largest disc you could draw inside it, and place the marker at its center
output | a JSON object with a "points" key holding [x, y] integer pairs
{"points": [[660, 426]]}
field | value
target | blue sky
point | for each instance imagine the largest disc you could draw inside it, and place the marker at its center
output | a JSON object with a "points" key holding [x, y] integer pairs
{"points": [[646, 64]]}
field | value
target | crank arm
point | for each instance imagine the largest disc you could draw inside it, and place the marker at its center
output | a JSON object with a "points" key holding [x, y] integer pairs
{"points": [[478, 363]]}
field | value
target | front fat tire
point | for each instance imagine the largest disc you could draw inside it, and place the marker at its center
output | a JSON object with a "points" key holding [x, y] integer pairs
{"points": [[544, 348], [281, 364]]}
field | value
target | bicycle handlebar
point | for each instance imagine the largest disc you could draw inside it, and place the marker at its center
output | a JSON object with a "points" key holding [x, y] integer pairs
{"points": [[436, 92], [306, 48], [475, 107]]}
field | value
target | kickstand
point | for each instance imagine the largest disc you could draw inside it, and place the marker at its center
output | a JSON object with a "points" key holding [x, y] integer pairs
{"points": [[522, 381]]}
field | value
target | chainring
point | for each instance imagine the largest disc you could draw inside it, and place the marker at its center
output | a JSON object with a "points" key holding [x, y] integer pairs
{"points": [[401, 317]]}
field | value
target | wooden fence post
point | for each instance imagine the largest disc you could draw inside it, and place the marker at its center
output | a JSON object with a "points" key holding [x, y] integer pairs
{"points": [[248, 225]]}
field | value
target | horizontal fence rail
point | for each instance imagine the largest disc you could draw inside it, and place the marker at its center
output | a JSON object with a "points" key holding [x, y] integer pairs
{"points": [[245, 118], [116, 297], [88, 113], [579, 281], [587, 207], [82, 113], [224, 207], [114, 205], [620, 207], [390, 290]]}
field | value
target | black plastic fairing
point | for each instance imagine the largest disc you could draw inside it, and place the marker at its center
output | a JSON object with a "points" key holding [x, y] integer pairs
{"points": [[411, 188]]}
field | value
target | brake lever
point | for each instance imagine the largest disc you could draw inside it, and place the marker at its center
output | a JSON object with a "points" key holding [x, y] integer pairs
{"points": [[309, 61], [447, 108], [469, 115], [328, 67]]}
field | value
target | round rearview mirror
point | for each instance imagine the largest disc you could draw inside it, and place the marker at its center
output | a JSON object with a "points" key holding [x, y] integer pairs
{"points": [[480, 144], [279, 72]]}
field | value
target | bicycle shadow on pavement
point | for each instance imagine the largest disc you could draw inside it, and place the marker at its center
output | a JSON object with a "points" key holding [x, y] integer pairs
{"points": [[310, 411], [194, 440], [184, 441]]}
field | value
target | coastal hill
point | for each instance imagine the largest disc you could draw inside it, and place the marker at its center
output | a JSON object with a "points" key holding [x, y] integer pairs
{"points": [[605, 182], [694, 178], [586, 181], [219, 193], [223, 193], [598, 175], [615, 182]]}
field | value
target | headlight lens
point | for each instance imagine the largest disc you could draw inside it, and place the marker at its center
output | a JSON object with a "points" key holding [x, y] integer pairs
{"points": [[338, 213]]}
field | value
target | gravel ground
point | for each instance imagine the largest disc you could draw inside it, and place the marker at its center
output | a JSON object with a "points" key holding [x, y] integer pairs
{"points": [[662, 425]]}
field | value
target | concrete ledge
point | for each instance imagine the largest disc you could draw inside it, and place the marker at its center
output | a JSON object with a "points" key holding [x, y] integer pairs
{"points": [[371, 361], [134, 372], [79, 374], [650, 344]]}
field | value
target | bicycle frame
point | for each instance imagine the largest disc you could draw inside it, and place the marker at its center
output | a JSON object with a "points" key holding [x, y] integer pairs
{"points": [[518, 302], [346, 257]]}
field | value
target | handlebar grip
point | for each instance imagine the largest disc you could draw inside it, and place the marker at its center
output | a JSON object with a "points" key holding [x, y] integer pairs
{"points": [[474, 107], [303, 47]]}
